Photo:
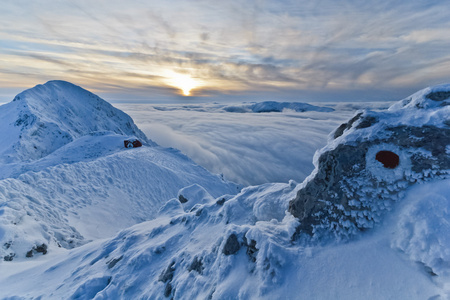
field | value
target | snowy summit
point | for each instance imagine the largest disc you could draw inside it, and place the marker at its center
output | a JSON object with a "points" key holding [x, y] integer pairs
{"points": [[370, 222]]}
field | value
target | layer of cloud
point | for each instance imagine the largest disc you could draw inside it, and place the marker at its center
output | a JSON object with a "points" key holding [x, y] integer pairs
{"points": [[255, 48], [247, 148]]}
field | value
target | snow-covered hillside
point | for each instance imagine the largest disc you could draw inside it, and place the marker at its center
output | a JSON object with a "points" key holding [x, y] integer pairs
{"points": [[82, 184], [371, 222]]}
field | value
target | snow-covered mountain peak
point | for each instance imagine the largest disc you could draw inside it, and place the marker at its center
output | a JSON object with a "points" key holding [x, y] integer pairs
{"points": [[430, 97], [44, 118]]}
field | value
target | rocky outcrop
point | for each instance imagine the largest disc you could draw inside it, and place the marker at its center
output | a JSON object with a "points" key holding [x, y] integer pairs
{"points": [[371, 160]]}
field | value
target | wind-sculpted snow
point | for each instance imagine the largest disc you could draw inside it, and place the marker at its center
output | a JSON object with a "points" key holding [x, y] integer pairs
{"points": [[69, 204], [226, 248], [263, 244]]}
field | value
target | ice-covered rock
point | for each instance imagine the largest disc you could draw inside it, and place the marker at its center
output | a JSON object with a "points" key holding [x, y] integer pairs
{"points": [[371, 160]]}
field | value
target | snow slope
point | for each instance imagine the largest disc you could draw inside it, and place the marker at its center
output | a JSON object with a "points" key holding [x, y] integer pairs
{"points": [[90, 186], [181, 255], [250, 246]]}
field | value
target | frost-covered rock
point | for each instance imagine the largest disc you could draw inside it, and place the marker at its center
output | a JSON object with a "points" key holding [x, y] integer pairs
{"points": [[371, 160]]}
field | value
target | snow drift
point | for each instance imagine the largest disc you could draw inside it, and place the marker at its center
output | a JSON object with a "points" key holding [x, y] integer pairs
{"points": [[276, 241]]}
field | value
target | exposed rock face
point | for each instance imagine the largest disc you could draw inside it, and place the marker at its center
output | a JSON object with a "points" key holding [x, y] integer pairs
{"points": [[232, 245], [371, 160]]}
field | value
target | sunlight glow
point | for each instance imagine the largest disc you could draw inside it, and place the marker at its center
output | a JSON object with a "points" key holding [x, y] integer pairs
{"points": [[184, 82]]}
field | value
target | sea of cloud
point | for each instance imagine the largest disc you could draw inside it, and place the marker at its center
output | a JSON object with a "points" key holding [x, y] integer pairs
{"points": [[247, 148]]}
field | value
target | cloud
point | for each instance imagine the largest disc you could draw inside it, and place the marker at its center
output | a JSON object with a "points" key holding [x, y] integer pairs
{"points": [[231, 47], [250, 149]]}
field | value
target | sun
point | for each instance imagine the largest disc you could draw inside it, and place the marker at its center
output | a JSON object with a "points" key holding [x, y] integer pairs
{"points": [[184, 82]]}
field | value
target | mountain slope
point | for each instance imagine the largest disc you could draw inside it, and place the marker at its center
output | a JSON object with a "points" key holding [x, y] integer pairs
{"points": [[80, 182], [249, 246], [189, 256]]}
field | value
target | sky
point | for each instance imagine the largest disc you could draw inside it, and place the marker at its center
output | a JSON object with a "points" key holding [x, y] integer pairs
{"points": [[191, 51]]}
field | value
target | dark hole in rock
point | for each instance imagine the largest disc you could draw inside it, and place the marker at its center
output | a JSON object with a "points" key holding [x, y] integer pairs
{"points": [[367, 122], [168, 290], [389, 159], [167, 274], [220, 201], [252, 251], [113, 262], [196, 265]]}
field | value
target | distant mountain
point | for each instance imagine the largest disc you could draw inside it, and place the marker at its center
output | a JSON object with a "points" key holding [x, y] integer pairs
{"points": [[274, 106]]}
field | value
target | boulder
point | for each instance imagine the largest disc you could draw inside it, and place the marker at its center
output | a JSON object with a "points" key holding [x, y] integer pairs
{"points": [[371, 160]]}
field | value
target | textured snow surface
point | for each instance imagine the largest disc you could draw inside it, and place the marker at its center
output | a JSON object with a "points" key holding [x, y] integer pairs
{"points": [[90, 187], [207, 241], [182, 254]]}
